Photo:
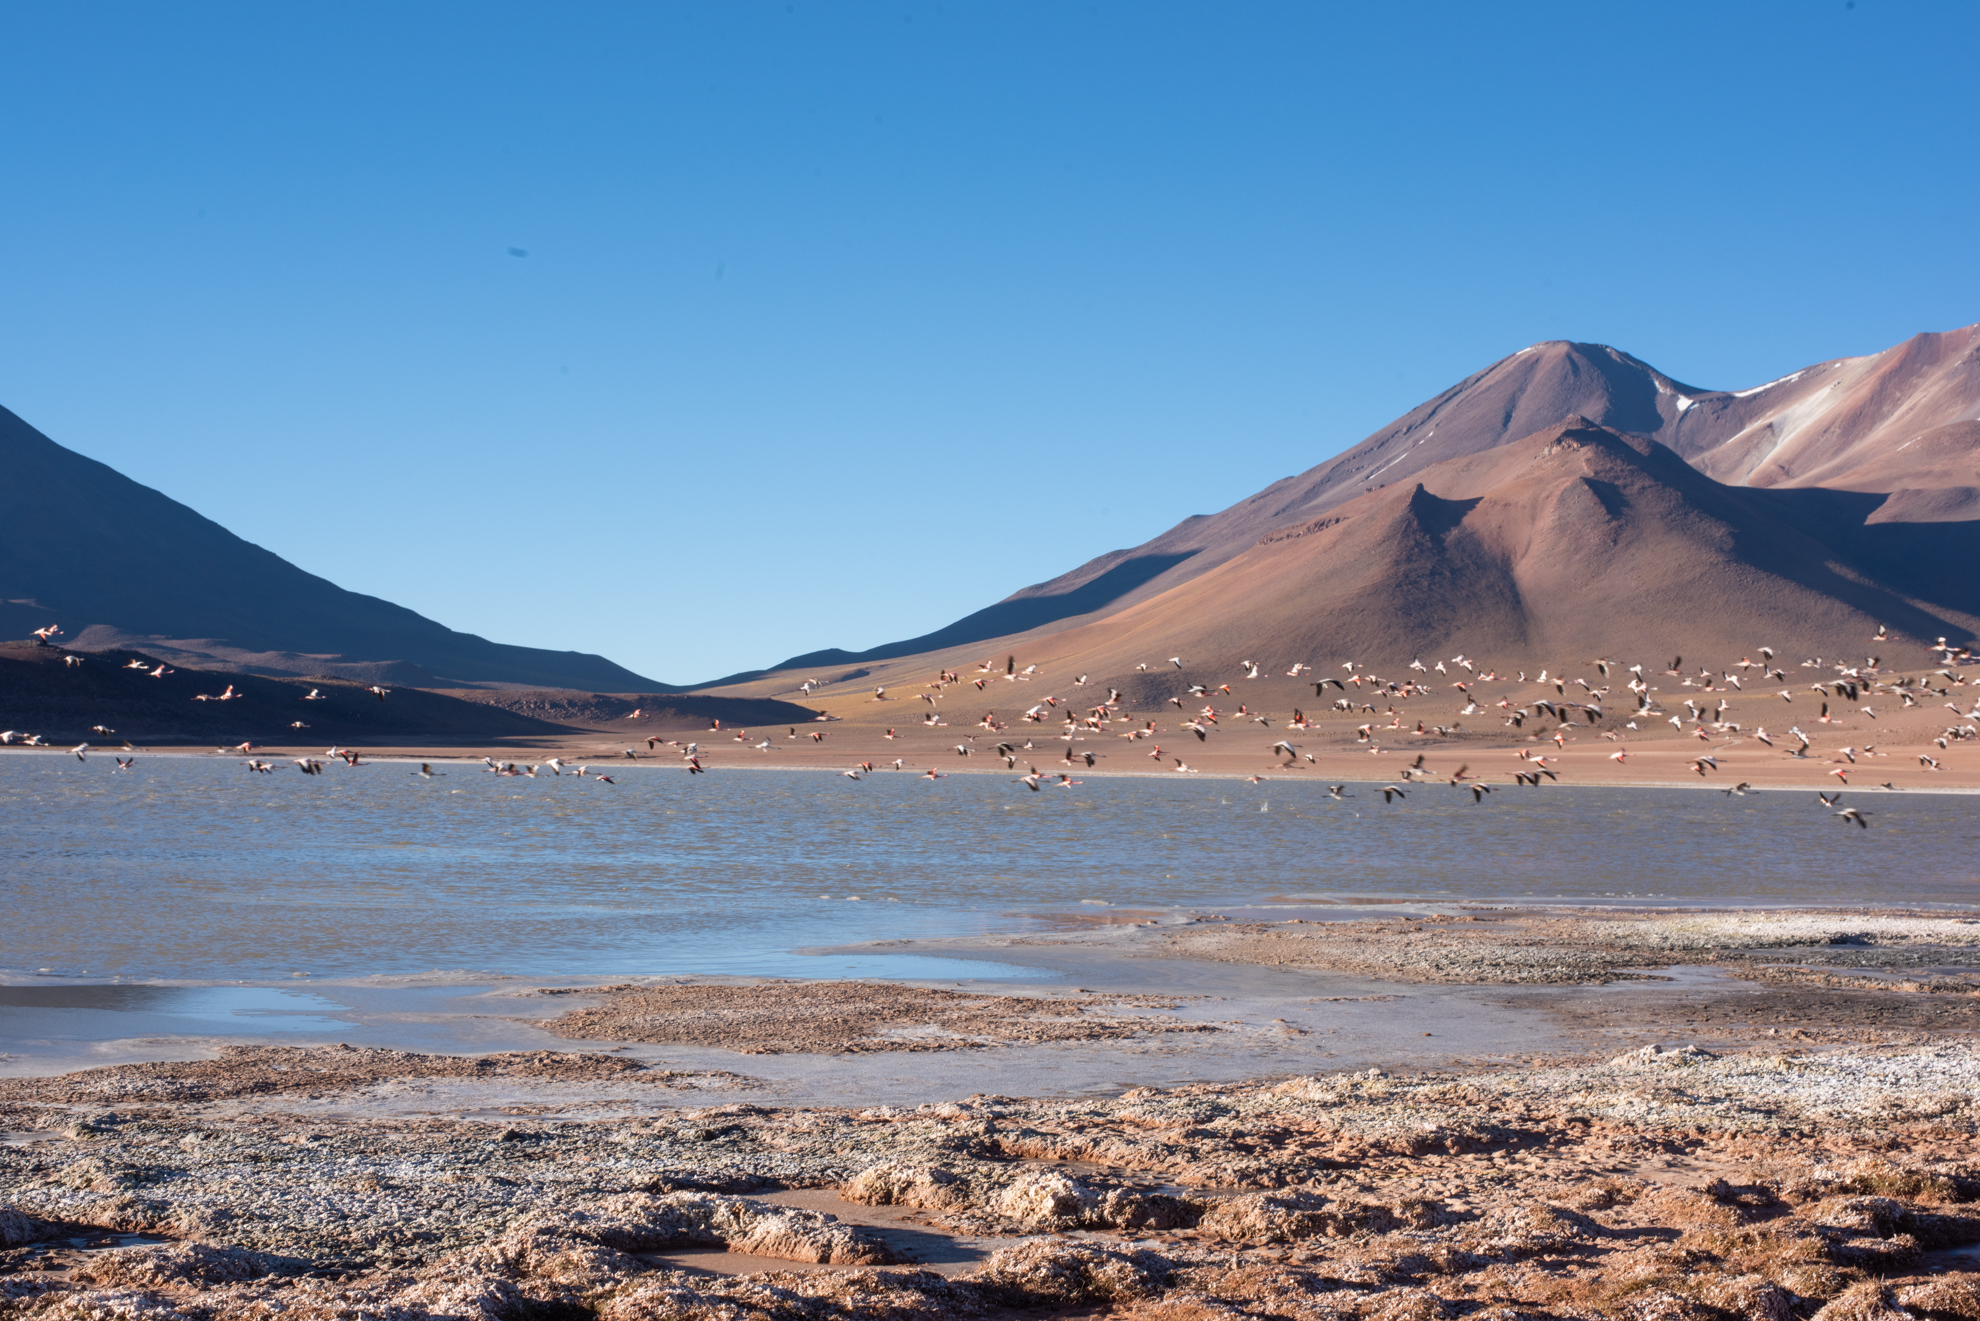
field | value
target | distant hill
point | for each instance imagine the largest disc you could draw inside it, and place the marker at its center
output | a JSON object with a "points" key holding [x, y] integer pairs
{"points": [[41, 692], [117, 564], [1885, 448], [637, 714]]}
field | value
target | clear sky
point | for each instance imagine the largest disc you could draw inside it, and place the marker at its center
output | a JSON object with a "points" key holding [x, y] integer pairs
{"points": [[839, 321]]}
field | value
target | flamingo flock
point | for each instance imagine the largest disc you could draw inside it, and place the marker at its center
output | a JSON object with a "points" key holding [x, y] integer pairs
{"points": [[1700, 705]]}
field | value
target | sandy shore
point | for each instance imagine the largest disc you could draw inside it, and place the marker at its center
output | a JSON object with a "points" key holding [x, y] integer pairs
{"points": [[1666, 764], [1875, 741], [1715, 1114]]}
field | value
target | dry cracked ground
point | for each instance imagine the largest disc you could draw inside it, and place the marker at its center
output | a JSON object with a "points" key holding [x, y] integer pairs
{"points": [[1665, 1183]]}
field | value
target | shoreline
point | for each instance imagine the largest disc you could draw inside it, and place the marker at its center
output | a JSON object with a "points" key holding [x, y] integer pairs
{"points": [[1241, 992], [1951, 783]]}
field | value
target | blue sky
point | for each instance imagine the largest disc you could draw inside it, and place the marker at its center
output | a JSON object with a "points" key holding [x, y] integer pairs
{"points": [[839, 321]]}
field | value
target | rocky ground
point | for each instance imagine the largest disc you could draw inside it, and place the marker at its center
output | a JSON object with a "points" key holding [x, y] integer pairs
{"points": [[1483, 946], [851, 1017], [1814, 1157], [1663, 1183], [274, 1071]]}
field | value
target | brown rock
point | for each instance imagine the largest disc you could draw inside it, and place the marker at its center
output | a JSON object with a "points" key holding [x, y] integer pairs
{"points": [[928, 1187], [1054, 1272], [1948, 1298]]}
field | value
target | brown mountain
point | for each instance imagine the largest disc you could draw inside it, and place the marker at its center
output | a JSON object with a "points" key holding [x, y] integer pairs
{"points": [[117, 564], [1576, 542], [1900, 423], [1879, 444]]}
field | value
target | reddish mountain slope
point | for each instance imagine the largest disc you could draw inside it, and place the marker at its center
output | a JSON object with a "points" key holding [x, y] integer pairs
{"points": [[1854, 424], [1574, 543], [1899, 424]]}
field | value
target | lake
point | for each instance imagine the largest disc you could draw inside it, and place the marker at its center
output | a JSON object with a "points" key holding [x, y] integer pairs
{"points": [[194, 868]]}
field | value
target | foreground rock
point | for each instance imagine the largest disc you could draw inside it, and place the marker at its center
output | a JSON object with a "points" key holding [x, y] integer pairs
{"points": [[1663, 1183]]}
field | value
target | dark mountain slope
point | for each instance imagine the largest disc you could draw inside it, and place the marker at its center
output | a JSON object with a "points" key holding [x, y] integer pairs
{"points": [[40, 694], [87, 548]]}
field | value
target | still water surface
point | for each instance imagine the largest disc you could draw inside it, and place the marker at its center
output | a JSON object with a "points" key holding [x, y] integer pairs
{"points": [[193, 868]]}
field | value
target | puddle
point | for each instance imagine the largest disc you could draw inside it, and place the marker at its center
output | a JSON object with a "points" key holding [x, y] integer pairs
{"points": [[69, 1010], [914, 968], [915, 1237], [110, 1242], [56, 1259]]}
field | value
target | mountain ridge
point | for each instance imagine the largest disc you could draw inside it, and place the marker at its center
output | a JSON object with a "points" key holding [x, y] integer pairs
{"points": [[1844, 421], [1576, 542], [119, 564]]}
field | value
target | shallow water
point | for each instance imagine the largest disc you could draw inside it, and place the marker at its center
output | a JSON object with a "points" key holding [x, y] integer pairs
{"points": [[75, 1009], [195, 869]]}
